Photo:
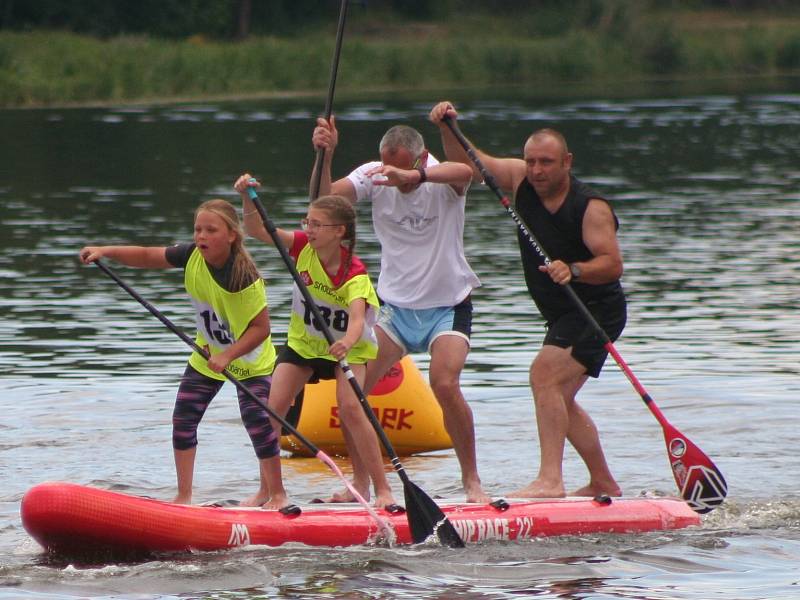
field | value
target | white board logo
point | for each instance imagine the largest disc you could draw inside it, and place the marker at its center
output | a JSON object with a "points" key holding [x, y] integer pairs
{"points": [[479, 530], [704, 489], [240, 536]]}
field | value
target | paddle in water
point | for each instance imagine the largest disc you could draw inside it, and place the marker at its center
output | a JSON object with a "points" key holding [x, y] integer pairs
{"points": [[700, 482], [425, 518], [383, 526]]}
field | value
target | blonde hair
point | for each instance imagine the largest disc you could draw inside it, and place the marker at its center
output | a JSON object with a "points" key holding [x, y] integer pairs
{"points": [[244, 271], [341, 212]]}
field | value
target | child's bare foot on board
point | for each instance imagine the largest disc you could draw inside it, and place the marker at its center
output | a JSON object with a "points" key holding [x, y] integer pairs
{"points": [[385, 500]]}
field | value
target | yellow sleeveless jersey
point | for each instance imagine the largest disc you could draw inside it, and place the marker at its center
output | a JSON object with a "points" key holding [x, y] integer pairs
{"points": [[305, 334], [222, 317]]}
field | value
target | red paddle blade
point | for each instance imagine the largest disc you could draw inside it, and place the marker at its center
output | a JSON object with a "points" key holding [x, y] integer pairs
{"points": [[701, 483]]}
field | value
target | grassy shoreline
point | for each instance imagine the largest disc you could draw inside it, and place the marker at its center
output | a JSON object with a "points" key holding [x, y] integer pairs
{"points": [[621, 88], [41, 69]]}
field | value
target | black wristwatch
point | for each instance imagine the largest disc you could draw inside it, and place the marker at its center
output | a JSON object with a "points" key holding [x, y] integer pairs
{"points": [[575, 270]]}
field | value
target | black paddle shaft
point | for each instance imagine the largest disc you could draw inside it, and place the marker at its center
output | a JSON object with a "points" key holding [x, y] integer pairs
{"points": [[424, 516], [190, 342], [492, 183], [323, 326], [329, 100]]}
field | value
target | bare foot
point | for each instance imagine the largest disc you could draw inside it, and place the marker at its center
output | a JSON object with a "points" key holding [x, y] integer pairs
{"points": [[255, 500], [277, 502], [540, 489], [182, 499], [475, 494], [594, 489], [347, 496], [385, 499]]}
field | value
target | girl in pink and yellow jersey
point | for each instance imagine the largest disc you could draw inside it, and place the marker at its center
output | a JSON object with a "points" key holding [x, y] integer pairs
{"points": [[342, 290]]}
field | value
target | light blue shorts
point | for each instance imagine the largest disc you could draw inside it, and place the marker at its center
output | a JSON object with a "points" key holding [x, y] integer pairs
{"points": [[415, 330]]}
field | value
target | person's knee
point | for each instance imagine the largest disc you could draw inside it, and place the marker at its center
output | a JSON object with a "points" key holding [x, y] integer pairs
{"points": [[446, 389], [555, 368], [545, 379], [185, 421], [350, 412], [184, 436], [376, 369], [541, 374], [279, 404]]}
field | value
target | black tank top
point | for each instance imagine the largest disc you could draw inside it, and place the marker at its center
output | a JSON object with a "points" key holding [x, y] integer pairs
{"points": [[561, 236]]}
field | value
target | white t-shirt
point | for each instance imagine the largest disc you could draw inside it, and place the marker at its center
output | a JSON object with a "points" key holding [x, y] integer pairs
{"points": [[422, 242]]}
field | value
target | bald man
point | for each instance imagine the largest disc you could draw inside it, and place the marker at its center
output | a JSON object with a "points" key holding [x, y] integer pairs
{"points": [[577, 228]]}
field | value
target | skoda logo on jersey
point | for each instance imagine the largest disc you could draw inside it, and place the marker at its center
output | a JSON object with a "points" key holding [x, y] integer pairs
{"points": [[306, 277]]}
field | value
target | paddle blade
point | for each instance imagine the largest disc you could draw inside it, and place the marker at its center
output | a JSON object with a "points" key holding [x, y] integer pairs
{"points": [[701, 483], [425, 518]]}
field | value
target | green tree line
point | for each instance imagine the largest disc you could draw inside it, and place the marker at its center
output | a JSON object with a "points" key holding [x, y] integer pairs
{"points": [[65, 52], [236, 19]]}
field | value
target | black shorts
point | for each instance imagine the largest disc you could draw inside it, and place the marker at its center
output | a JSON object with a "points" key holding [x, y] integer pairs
{"points": [[588, 347], [322, 368]]}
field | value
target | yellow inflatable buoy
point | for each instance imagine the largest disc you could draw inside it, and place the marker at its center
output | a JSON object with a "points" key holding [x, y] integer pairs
{"points": [[402, 401]]}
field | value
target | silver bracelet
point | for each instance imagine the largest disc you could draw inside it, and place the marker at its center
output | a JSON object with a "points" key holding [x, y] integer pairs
{"points": [[249, 212]]}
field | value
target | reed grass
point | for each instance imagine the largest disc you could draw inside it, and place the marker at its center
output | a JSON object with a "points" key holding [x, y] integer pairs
{"points": [[58, 68]]}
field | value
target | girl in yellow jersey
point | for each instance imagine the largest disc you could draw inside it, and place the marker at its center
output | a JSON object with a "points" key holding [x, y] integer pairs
{"points": [[341, 288], [230, 304]]}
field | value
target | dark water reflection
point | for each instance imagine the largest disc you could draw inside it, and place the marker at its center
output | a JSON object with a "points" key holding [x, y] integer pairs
{"points": [[707, 189]]}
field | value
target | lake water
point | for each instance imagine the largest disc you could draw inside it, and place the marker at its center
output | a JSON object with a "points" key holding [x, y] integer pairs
{"points": [[707, 189]]}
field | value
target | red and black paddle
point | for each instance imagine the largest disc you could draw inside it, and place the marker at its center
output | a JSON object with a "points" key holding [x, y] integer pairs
{"points": [[700, 482]]}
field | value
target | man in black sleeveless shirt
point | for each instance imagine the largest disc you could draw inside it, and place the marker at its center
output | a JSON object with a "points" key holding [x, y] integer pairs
{"points": [[577, 228]]}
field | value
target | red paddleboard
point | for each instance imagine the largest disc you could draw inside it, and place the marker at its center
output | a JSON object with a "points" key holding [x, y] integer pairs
{"points": [[70, 519]]}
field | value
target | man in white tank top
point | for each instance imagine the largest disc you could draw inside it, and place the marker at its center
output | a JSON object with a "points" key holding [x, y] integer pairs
{"points": [[425, 281]]}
